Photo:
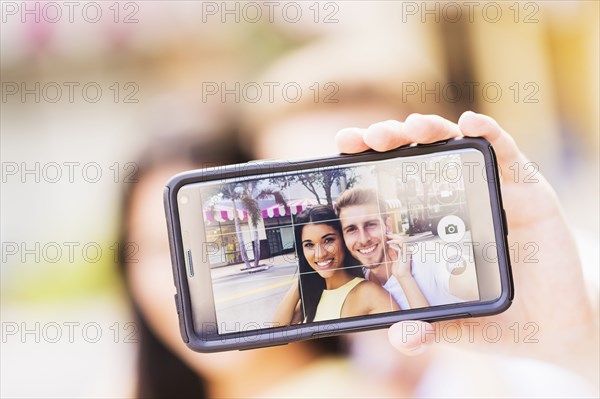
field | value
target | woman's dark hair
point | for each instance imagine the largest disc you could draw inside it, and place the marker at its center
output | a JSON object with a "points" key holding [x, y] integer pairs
{"points": [[311, 283], [160, 372]]}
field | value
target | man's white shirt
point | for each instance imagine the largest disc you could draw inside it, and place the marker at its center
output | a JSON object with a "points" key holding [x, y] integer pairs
{"points": [[432, 278]]}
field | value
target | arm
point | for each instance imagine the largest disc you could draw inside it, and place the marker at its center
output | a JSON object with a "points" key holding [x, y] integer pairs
{"points": [[413, 292], [401, 269], [288, 311]]}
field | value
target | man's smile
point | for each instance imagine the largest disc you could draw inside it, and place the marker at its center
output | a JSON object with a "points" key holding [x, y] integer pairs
{"points": [[367, 250]]}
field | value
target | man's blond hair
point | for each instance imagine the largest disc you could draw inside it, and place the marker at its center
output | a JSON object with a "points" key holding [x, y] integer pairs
{"points": [[359, 196]]}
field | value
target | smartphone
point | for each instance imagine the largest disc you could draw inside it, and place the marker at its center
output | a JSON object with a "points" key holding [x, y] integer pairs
{"points": [[270, 252]]}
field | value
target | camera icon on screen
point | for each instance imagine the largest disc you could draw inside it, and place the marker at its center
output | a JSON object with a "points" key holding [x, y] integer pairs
{"points": [[451, 229]]}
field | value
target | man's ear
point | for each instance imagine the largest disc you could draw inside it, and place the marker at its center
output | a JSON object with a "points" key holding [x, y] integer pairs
{"points": [[389, 228]]}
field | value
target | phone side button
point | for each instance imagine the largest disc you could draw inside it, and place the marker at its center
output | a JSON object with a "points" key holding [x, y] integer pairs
{"points": [[184, 335], [176, 298], [432, 144], [332, 333], [505, 222]]}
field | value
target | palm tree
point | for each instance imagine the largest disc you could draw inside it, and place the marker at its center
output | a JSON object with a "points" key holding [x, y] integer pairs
{"points": [[250, 201], [247, 194], [231, 193]]}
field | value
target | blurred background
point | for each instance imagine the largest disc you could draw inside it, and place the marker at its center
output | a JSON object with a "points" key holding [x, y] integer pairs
{"points": [[86, 86]]}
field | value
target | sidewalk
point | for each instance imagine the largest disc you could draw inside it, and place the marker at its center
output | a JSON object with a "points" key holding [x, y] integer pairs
{"points": [[235, 269], [426, 236]]}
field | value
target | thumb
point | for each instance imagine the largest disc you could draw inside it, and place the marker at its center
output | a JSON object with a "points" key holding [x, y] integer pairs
{"points": [[411, 337]]}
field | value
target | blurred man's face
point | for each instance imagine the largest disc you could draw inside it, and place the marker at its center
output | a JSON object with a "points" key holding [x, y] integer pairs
{"points": [[364, 233]]}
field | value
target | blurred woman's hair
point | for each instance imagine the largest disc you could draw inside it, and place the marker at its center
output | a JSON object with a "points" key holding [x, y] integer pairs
{"points": [[311, 283], [160, 373]]}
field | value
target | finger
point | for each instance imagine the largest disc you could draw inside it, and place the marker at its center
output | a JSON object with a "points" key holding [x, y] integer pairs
{"points": [[478, 125], [411, 337], [384, 136], [397, 239], [393, 252], [350, 140], [397, 236], [398, 245], [401, 247], [425, 129]]}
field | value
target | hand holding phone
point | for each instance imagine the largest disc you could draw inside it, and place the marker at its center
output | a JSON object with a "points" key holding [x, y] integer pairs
{"points": [[551, 311], [241, 234]]}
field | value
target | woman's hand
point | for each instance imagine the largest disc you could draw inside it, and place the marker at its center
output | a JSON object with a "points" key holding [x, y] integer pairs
{"points": [[552, 317]]}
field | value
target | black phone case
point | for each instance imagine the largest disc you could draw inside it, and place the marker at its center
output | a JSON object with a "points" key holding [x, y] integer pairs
{"points": [[283, 335]]}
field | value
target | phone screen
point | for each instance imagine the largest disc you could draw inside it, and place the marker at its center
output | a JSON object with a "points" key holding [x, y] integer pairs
{"points": [[336, 242]]}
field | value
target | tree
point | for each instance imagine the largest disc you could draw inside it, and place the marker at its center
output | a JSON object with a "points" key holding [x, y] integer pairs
{"points": [[423, 180], [232, 193], [320, 182]]}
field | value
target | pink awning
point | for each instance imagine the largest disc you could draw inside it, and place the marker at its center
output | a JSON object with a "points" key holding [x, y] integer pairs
{"points": [[296, 206], [222, 213]]}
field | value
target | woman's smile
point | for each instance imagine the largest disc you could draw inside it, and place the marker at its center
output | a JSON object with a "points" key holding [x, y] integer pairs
{"points": [[325, 264]]}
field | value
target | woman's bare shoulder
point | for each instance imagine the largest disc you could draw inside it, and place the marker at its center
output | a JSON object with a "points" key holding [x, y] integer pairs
{"points": [[362, 296], [368, 288]]}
